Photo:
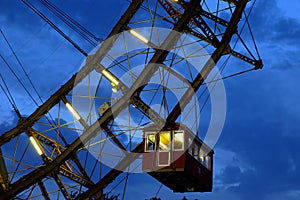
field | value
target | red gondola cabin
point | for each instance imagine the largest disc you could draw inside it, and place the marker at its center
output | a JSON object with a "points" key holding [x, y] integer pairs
{"points": [[178, 159]]}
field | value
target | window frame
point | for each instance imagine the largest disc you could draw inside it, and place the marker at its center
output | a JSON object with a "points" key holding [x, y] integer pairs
{"points": [[173, 140], [146, 143], [170, 141]]}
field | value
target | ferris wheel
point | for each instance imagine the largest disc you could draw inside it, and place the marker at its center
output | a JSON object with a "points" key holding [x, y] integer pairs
{"points": [[148, 99]]}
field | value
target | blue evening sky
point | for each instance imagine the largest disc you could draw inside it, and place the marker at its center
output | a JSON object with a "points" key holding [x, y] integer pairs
{"points": [[257, 156]]}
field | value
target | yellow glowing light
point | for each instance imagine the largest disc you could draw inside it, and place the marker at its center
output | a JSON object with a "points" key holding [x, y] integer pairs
{"points": [[110, 77], [35, 145], [139, 36], [73, 111], [164, 140], [163, 146], [114, 89]]}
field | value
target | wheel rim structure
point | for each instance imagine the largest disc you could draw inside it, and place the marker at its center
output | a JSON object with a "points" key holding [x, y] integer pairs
{"points": [[64, 166]]}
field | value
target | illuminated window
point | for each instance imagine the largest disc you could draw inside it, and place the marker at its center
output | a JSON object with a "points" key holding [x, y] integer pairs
{"points": [[178, 140], [150, 142], [164, 140]]}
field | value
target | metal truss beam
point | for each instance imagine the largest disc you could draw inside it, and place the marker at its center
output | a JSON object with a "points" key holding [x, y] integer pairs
{"points": [[136, 101], [232, 26], [256, 63], [212, 17], [207, 15], [200, 23], [169, 8], [4, 180], [235, 2], [113, 137], [75, 177], [146, 109], [96, 190], [217, 55], [62, 187], [47, 141], [68, 86], [43, 171], [83, 179], [90, 132], [144, 77], [84, 173], [43, 190], [209, 36], [125, 162]]}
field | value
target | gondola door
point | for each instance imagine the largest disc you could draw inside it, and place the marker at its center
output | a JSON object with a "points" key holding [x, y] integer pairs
{"points": [[164, 148]]}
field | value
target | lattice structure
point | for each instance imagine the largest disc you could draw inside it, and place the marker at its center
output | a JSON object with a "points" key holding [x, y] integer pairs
{"points": [[63, 166]]}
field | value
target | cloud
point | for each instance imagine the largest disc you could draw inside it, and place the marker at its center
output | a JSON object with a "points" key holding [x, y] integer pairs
{"points": [[277, 35], [9, 119], [262, 130], [263, 115]]}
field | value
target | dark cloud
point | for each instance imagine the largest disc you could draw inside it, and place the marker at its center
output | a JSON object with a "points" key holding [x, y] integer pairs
{"points": [[10, 120], [277, 35], [230, 175], [262, 129]]}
